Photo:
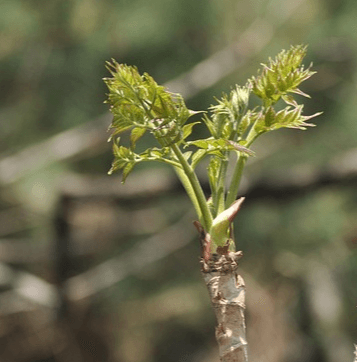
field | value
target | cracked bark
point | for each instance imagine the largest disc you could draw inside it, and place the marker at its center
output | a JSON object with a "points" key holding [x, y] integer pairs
{"points": [[227, 293]]}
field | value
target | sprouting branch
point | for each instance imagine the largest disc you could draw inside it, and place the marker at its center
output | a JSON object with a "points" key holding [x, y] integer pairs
{"points": [[140, 105]]}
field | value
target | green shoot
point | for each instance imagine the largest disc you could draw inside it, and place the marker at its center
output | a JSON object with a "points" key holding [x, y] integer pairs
{"points": [[140, 105]]}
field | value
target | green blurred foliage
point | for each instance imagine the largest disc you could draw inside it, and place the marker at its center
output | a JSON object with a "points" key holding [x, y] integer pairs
{"points": [[52, 57]]}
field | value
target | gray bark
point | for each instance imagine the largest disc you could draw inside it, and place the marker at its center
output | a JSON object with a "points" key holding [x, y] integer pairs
{"points": [[227, 292]]}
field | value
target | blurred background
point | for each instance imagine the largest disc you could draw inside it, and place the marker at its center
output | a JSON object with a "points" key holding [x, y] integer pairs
{"points": [[91, 270]]}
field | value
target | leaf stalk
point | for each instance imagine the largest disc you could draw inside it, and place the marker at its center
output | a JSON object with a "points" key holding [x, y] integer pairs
{"points": [[193, 188]]}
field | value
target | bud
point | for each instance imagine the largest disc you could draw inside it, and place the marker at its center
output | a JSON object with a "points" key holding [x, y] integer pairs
{"points": [[221, 224]]}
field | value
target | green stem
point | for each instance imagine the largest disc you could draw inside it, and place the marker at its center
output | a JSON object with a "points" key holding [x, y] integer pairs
{"points": [[189, 180], [236, 178], [218, 196], [251, 137], [238, 170], [193, 188], [188, 188]]}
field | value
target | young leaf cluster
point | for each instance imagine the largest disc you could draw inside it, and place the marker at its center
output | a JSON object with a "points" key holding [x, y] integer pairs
{"points": [[140, 105], [280, 79]]}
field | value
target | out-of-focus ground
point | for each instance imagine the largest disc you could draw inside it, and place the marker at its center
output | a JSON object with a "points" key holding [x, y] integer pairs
{"points": [[91, 270]]}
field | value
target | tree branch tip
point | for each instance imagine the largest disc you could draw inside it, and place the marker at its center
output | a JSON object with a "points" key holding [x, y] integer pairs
{"points": [[234, 208], [240, 200]]}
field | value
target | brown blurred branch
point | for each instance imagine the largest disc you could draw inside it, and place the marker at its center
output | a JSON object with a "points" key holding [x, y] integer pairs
{"points": [[60, 147], [38, 291], [24, 251], [30, 291], [303, 177], [116, 269]]}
